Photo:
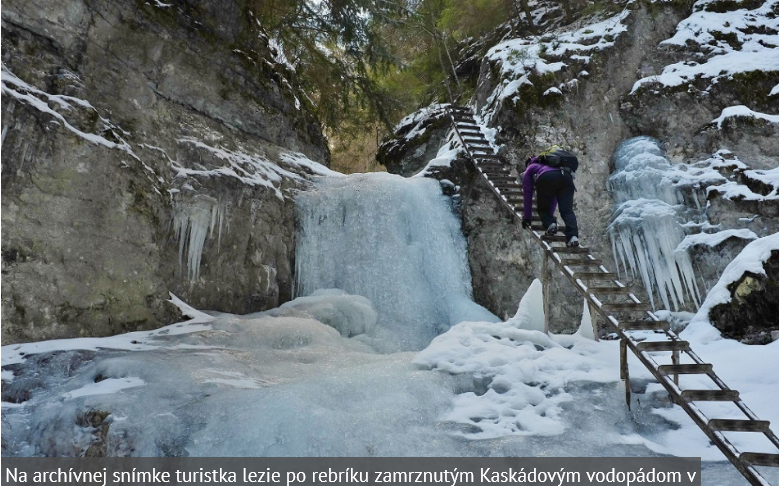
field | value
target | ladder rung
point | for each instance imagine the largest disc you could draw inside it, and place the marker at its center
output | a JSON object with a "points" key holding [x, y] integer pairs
{"points": [[533, 218], [509, 188], [592, 276], [663, 346], [494, 164], [583, 262], [629, 306], [738, 425], [710, 395], [701, 368], [548, 238], [644, 324], [500, 177], [572, 250], [487, 156], [759, 459], [607, 290]]}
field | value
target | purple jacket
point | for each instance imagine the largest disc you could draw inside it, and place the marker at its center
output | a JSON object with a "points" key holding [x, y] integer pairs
{"points": [[533, 171]]}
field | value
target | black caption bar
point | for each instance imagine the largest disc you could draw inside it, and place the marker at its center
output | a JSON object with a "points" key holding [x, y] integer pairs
{"points": [[635, 471]]}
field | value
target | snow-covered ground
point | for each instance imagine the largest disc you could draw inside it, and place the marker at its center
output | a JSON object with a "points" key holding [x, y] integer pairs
{"points": [[307, 379]]}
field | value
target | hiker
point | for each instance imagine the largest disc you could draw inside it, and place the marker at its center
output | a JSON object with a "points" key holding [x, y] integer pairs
{"points": [[551, 173]]}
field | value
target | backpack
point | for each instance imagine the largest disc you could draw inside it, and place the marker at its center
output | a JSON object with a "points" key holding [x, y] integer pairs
{"points": [[557, 157]]}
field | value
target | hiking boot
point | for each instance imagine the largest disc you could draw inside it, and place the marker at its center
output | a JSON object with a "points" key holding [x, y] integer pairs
{"points": [[551, 230], [573, 242]]}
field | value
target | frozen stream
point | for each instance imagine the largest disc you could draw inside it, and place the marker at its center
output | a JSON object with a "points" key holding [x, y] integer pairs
{"points": [[384, 354]]}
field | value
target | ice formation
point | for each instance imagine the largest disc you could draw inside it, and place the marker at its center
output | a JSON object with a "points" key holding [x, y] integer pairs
{"points": [[192, 222], [392, 240], [307, 378], [647, 229]]}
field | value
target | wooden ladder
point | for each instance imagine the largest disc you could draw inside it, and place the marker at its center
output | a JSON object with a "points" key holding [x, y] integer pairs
{"points": [[609, 299]]}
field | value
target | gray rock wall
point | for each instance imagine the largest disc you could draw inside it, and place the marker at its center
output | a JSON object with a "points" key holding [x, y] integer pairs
{"points": [[601, 113], [119, 118], [591, 118], [589, 122]]}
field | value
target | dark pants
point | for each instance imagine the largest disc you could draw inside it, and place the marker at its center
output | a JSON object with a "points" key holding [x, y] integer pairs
{"points": [[556, 188]]}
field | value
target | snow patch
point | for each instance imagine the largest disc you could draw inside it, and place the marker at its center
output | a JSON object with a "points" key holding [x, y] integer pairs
{"points": [[106, 387], [741, 111], [726, 43], [751, 260]]}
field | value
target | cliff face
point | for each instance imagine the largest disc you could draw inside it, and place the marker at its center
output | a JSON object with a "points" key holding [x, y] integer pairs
{"points": [[673, 71], [136, 135]]}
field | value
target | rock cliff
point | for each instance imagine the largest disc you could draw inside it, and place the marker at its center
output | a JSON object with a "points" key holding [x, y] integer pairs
{"points": [[673, 71], [148, 148]]}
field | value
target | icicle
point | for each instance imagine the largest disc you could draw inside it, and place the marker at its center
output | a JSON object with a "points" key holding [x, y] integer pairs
{"points": [[646, 229], [192, 222]]}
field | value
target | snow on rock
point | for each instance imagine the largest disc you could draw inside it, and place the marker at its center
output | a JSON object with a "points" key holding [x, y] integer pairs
{"points": [[415, 124], [714, 239], [727, 43], [520, 59], [250, 169], [741, 111], [26, 93], [751, 259], [299, 160], [446, 155]]}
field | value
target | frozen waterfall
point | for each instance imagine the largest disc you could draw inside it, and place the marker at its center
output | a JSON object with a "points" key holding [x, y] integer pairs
{"points": [[394, 241], [650, 209]]}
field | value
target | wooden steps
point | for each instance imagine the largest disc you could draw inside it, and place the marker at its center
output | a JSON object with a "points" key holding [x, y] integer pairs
{"points": [[591, 284], [700, 368], [710, 395]]}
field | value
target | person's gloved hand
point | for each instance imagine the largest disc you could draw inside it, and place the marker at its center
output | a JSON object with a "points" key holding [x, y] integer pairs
{"points": [[526, 223]]}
